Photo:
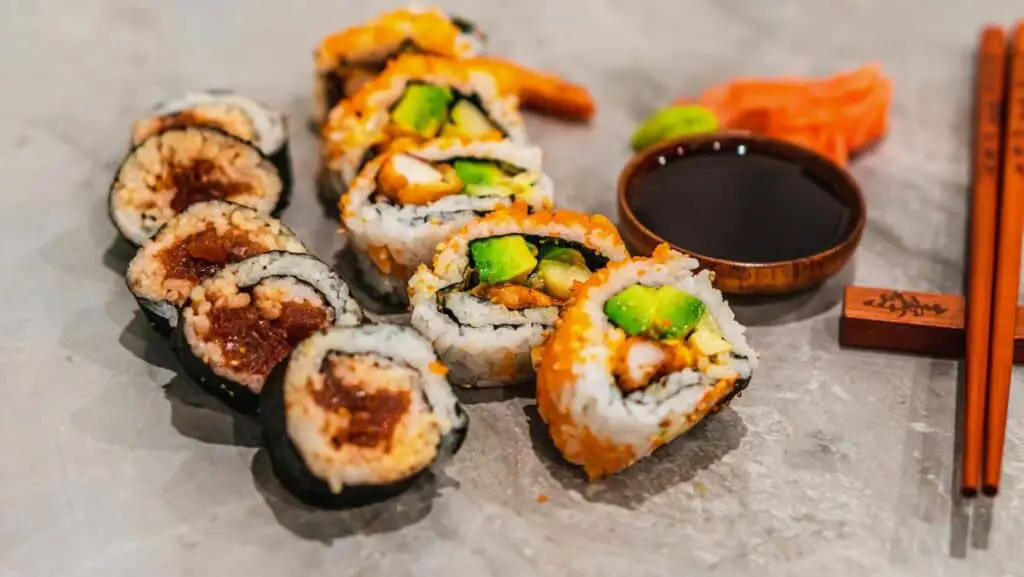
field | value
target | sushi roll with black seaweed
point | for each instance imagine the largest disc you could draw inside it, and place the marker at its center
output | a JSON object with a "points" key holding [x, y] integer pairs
{"points": [[233, 113], [195, 245], [644, 352], [348, 59], [496, 287], [417, 98], [237, 325], [356, 415], [404, 203], [178, 167]]}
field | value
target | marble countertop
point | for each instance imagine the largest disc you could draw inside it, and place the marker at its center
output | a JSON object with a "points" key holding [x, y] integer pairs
{"points": [[837, 461]]}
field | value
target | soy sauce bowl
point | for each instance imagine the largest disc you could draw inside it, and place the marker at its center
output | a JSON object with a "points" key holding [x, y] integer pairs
{"points": [[828, 210]]}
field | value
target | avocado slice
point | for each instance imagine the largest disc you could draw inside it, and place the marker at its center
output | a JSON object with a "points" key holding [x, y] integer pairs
{"points": [[676, 314], [482, 178], [502, 258], [632, 309], [560, 277], [423, 109], [468, 121], [564, 254]]}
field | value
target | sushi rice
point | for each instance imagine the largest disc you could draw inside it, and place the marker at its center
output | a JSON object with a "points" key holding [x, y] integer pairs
{"points": [[180, 166], [237, 325], [390, 239], [346, 60], [357, 413], [357, 128], [592, 420], [483, 343], [194, 245]]}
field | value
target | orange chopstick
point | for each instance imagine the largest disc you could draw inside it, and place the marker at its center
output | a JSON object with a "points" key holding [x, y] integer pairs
{"points": [[984, 199], [1011, 227]]}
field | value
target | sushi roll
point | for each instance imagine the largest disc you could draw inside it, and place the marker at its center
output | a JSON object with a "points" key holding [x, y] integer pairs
{"points": [[233, 113], [356, 415], [180, 166], [347, 60], [496, 287], [645, 351], [416, 98], [193, 246], [404, 203], [237, 325]]}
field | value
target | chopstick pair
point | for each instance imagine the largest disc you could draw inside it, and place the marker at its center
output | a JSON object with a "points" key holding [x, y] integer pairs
{"points": [[997, 225]]}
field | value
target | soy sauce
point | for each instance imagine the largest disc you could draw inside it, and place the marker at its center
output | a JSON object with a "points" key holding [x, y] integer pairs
{"points": [[740, 204]]}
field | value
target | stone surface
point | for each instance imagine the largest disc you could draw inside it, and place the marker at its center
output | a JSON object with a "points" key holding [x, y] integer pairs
{"points": [[834, 461]]}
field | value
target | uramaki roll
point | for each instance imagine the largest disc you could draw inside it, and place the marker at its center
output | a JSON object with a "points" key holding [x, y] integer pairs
{"points": [[404, 203], [645, 351], [233, 113], [195, 245], [346, 60], [496, 287], [237, 325], [356, 415], [180, 166], [417, 98]]}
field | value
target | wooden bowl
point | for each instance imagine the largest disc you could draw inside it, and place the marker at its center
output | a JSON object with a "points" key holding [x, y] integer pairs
{"points": [[751, 278]]}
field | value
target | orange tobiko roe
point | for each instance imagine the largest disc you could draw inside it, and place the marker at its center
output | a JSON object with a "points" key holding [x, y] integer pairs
{"points": [[556, 380]]}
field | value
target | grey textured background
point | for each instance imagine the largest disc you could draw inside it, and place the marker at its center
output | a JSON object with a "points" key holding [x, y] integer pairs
{"points": [[836, 462]]}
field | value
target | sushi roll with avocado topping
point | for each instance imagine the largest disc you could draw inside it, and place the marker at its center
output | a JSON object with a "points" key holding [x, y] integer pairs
{"points": [[645, 351], [404, 203], [193, 246], [237, 325], [346, 60], [229, 111], [417, 98], [356, 415], [496, 287], [173, 169]]}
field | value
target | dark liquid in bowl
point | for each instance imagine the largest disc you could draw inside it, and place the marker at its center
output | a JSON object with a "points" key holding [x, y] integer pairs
{"points": [[741, 205]]}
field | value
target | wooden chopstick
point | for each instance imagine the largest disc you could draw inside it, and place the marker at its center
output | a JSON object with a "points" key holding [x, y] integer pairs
{"points": [[1011, 227], [984, 199]]}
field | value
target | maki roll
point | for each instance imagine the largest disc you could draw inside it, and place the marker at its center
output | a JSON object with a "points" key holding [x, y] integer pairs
{"points": [[193, 246], [178, 167], [356, 415], [230, 111], [404, 203], [237, 325], [497, 285], [645, 351], [347, 60], [416, 98]]}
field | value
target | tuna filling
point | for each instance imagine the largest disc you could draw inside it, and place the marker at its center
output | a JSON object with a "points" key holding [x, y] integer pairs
{"points": [[352, 386], [201, 255]]}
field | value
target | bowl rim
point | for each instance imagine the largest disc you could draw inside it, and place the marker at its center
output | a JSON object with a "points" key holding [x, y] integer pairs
{"points": [[810, 159]]}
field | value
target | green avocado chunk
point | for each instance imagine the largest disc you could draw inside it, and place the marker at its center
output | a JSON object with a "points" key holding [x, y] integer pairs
{"points": [[662, 313], [632, 309], [468, 121], [487, 178], [502, 258], [676, 314], [564, 254], [560, 277], [423, 109], [482, 178]]}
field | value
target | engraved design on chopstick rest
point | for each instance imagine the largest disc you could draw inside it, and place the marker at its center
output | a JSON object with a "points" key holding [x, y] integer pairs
{"points": [[897, 302]]}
